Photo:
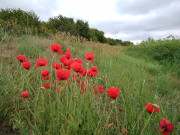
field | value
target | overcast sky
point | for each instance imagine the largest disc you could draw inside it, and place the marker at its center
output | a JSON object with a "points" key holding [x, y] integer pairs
{"points": [[133, 20]]}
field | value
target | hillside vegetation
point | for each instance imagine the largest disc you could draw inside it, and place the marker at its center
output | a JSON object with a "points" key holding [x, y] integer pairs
{"points": [[65, 109], [165, 52], [22, 22]]}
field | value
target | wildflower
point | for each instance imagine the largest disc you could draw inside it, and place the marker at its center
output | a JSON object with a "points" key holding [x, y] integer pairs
{"points": [[45, 72], [113, 92], [92, 72], [25, 94], [47, 86], [79, 60], [47, 77], [94, 68], [76, 66], [62, 59], [41, 62], [57, 66], [21, 58], [26, 65], [65, 61], [68, 54], [90, 56], [56, 48], [83, 71], [98, 90], [63, 74], [165, 126], [151, 109]]}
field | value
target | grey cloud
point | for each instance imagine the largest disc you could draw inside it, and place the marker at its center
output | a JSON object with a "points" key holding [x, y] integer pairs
{"points": [[43, 8], [136, 7], [163, 21]]}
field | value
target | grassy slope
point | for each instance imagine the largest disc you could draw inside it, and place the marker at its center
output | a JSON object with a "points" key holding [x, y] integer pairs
{"points": [[46, 112]]}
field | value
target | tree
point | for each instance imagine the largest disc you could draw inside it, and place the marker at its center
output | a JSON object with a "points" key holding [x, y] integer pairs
{"points": [[63, 24], [83, 29], [97, 35]]}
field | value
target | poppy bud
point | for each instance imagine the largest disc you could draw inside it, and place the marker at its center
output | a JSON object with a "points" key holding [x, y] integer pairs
{"points": [[124, 131], [155, 106], [42, 88]]}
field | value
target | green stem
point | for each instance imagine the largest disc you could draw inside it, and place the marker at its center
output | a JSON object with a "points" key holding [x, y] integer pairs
{"points": [[146, 124]]}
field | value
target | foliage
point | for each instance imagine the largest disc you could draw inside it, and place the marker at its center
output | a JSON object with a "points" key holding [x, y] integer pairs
{"points": [[21, 19], [63, 24], [97, 35], [20, 22], [166, 52]]}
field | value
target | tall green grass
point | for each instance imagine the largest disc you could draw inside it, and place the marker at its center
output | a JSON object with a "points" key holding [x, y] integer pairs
{"points": [[52, 112]]}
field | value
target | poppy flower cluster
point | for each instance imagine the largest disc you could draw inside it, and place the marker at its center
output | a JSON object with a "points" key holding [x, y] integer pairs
{"points": [[45, 74], [74, 68], [25, 63], [92, 72], [166, 127], [63, 70]]}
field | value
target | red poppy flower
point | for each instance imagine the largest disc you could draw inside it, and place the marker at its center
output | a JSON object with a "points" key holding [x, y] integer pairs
{"points": [[65, 61], [76, 66], [79, 60], [26, 65], [98, 90], [25, 94], [94, 68], [68, 54], [151, 109], [90, 56], [62, 59], [45, 72], [41, 62], [165, 126], [91, 73], [113, 92], [72, 61], [57, 66], [63, 74], [83, 71], [47, 86], [56, 48], [47, 77], [21, 58]]}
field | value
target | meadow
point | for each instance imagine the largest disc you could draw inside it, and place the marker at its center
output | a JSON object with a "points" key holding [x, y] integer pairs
{"points": [[75, 107]]}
